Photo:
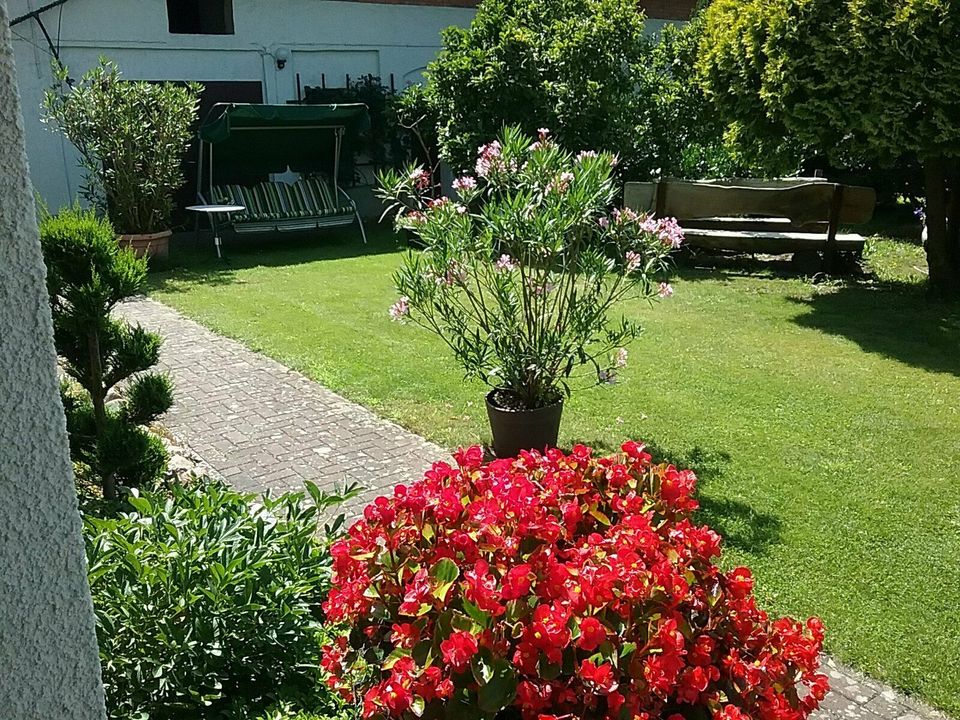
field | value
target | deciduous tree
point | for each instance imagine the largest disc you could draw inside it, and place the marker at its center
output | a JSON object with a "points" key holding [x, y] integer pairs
{"points": [[871, 79]]}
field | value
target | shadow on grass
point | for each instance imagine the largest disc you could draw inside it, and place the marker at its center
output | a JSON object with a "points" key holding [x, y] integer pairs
{"points": [[194, 260], [898, 322], [741, 526]]}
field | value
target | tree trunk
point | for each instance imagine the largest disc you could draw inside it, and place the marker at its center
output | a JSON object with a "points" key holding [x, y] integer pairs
{"points": [[943, 254], [98, 398]]}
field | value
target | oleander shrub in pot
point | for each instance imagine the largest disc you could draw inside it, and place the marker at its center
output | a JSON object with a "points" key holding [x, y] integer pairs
{"points": [[522, 274], [208, 601], [131, 137], [557, 586]]}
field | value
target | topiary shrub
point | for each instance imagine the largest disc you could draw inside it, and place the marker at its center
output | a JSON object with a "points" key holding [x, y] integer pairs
{"points": [[88, 274], [208, 600], [557, 586]]}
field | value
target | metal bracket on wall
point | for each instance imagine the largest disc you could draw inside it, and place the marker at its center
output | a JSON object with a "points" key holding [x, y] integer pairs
{"points": [[35, 15]]}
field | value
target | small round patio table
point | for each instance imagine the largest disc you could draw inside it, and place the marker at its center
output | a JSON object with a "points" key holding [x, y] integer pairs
{"points": [[212, 212]]}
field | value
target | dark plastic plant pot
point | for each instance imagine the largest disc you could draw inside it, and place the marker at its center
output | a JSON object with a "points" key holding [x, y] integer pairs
{"points": [[516, 430]]}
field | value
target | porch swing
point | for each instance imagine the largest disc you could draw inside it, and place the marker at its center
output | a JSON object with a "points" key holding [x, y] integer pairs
{"points": [[250, 140]]}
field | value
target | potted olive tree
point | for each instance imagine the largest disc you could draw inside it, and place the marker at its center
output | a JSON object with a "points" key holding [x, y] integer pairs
{"points": [[131, 136], [520, 276]]}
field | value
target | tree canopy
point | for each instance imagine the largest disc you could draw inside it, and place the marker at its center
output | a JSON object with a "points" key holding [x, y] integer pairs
{"points": [[857, 79], [563, 64]]}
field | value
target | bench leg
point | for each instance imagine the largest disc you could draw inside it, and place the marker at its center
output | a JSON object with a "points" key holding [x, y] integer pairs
{"points": [[831, 261], [363, 233]]}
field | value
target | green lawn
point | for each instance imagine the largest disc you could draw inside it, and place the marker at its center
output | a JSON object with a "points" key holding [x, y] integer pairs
{"points": [[823, 420]]}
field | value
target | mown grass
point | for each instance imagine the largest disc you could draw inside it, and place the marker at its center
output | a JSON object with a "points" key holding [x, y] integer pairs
{"points": [[823, 419]]}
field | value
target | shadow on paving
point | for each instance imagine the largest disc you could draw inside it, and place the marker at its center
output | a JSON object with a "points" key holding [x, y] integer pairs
{"points": [[194, 259], [897, 322], [740, 525]]}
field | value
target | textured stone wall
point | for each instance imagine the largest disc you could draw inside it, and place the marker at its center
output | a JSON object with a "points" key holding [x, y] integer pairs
{"points": [[49, 668]]}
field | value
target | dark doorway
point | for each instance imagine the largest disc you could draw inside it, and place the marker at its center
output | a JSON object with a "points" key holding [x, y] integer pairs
{"points": [[215, 91]]}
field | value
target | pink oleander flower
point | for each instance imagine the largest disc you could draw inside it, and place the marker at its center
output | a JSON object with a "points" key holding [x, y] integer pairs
{"points": [[586, 154], [543, 133], [670, 232], [421, 178], [632, 260], [505, 264], [489, 158], [539, 289], [620, 358], [561, 184], [412, 218], [400, 309], [455, 274], [603, 222], [465, 183], [437, 202], [665, 290]]}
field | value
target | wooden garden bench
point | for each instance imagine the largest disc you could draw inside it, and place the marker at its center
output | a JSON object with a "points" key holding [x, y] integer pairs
{"points": [[774, 217]]}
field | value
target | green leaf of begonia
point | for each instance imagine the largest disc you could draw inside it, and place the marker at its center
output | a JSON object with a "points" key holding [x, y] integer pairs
{"points": [[500, 690]]}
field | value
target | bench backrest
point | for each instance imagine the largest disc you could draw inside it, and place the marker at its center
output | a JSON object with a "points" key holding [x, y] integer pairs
{"points": [[803, 204]]}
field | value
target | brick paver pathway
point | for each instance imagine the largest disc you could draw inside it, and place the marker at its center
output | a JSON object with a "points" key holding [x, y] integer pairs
{"points": [[264, 426]]}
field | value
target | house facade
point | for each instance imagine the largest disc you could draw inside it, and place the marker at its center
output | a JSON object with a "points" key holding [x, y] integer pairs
{"points": [[241, 50]]}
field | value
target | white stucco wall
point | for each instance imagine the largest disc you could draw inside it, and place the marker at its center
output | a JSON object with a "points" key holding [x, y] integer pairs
{"points": [[49, 666], [326, 36]]}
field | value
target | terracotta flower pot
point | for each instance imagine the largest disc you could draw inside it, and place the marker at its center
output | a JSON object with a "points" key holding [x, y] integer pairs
{"points": [[518, 429], [151, 245]]}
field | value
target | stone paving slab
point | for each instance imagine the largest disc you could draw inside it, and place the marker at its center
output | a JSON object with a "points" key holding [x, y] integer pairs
{"points": [[265, 427]]}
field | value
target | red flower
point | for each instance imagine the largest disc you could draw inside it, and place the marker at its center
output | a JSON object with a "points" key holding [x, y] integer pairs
{"points": [[614, 702], [481, 588], [676, 488], [730, 712], [469, 459], [516, 583], [601, 678], [404, 635], [740, 582], [702, 651], [459, 649], [417, 593], [592, 633], [545, 545], [693, 682]]}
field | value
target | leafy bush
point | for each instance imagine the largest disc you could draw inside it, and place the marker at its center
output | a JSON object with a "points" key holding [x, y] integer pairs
{"points": [[677, 131], [131, 137], [207, 600], [566, 64], [557, 586], [87, 275], [518, 280]]}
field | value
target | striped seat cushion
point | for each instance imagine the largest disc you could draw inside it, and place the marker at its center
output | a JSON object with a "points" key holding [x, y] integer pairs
{"points": [[307, 198], [316, 193]]}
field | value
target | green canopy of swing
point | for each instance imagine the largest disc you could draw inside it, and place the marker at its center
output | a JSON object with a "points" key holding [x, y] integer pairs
{"points": [[271, 138]]}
